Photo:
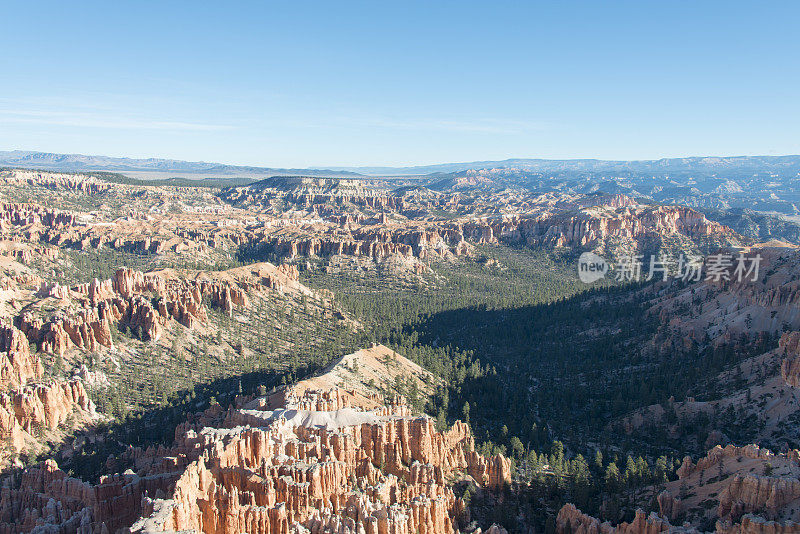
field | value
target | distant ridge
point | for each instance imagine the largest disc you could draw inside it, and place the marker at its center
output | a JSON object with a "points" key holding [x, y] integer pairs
{"points": [[705, 164], [154, 168], [150, 168]]}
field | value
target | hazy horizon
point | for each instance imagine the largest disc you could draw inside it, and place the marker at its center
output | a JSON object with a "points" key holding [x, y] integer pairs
{"points": [[398, 166]]}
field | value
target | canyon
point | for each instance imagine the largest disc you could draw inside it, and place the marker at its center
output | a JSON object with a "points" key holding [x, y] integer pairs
{"points": [[171, 360], [247, 217], [324, 459]]}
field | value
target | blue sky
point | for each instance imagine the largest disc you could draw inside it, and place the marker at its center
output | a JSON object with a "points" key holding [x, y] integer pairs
{"points": [[395, 83]]}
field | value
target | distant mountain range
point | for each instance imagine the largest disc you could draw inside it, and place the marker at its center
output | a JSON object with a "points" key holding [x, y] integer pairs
{"points": [[784, 165], [759, 196], [149, 167], [730, 167]]}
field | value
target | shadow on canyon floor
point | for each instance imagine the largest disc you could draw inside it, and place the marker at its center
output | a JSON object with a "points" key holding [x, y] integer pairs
{"points": [[95, 451]]}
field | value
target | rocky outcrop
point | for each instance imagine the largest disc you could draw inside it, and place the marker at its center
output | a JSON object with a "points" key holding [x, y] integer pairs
{"points": [[493, 472], [358, 221], [329, 247], [359, 472], [668, 505], [28, 411], [319, 462], [301, 459], [591, 227], [17, 364], [562, 221], [570, 520], [384, 473], [86, 328], [749, 493], [719, 454], [751, 524], [288, 484], [46, 499], [578, 227], [374, 202], [314, 194], [790, 366], [746, 501], [26, 253], [56, 181], [32, 214], [424, 243], [144, 303], [128, 282], [587, 228]]}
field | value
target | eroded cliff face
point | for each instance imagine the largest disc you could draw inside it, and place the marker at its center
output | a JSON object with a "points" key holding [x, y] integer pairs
{"points": [[752, 493], [46, 499], [347, 470], [753, 524], [27, 215], [570, 520], [27, 412], [751, 490], [57, 181], [790, 366], [364, 220], [749, 481], [553, 220], [30, 414], [721, 311], [145, 303], [592, 227], [572, 226], [17, 364], [747, 489], [68, 321], [320, 461]]}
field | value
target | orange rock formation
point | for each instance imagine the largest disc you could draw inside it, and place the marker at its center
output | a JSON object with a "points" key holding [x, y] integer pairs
{"points": [[344, 469]]}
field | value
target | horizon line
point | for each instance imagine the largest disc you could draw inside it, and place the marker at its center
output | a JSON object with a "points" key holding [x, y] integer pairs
{"points": [[399, 166]]}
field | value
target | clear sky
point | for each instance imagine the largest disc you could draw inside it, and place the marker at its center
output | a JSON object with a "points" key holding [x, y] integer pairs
{"points": [[296, 83]]}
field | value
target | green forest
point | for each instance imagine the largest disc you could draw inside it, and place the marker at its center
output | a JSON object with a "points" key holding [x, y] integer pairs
{"points": [[540, 366]]}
